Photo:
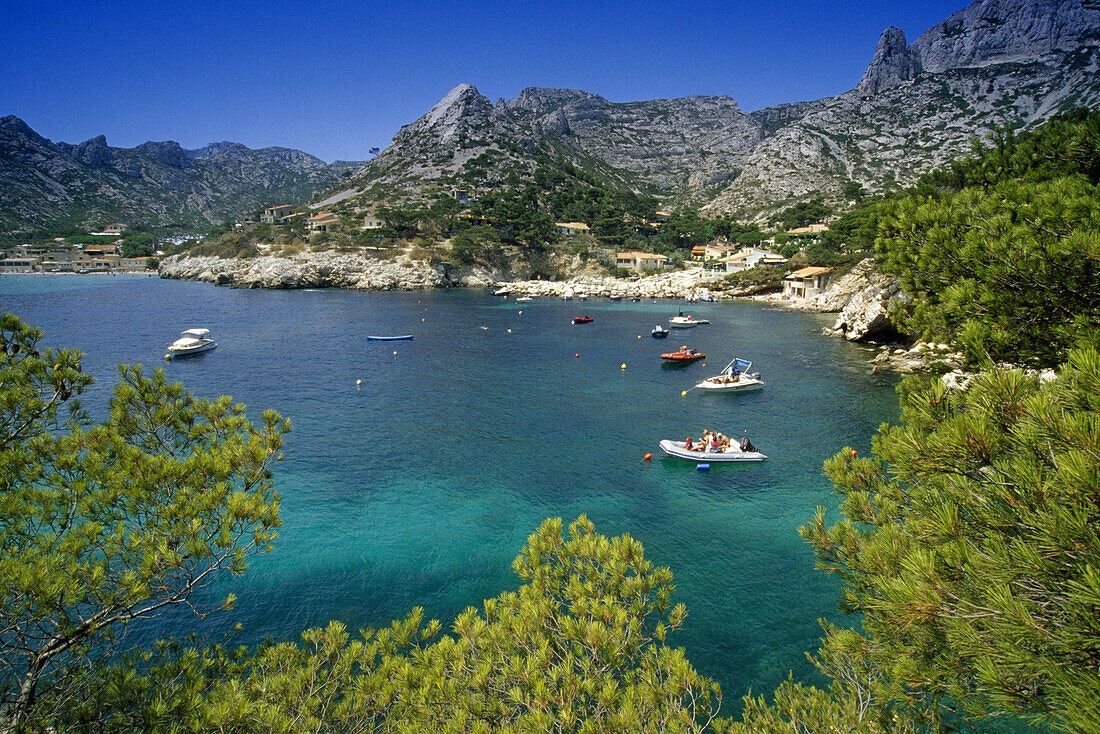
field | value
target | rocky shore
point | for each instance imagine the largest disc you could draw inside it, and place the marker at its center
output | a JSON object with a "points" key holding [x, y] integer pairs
{"points": [[862, 298]]}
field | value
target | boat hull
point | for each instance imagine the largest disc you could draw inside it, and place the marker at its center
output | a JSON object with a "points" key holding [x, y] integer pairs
{"points": [[174, 351], [676, 449], [742, 385], [402, 337]]}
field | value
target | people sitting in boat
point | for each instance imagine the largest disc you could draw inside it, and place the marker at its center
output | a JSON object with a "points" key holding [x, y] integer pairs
{"points": [[723, 441], [688, 444], [715, 442]]}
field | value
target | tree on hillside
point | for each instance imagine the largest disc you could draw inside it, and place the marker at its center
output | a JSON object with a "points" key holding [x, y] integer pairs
{"points": [[580, 646], [102, 524], [970, 546], [1011, 271]]}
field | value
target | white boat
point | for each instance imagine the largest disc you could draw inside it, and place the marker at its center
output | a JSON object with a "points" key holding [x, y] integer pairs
{"points": [[734, 378], [685, 322], [733, 453], [502, 291], [524, 299], [191, 341]]}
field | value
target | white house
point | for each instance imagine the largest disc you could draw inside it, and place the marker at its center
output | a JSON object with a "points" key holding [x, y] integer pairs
{"points": [[322, 221], [640, 261], [276, 214], [372, 221], [752, 257], [571, 229], [807, 282]]}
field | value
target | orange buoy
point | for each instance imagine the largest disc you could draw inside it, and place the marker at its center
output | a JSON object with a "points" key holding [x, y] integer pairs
{"points": [[647, 457], [577, 354], [853, 452]]}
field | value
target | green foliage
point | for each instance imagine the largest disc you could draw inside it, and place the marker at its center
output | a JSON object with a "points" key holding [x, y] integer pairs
{"points": [[101, 524], [1067, 145], [805, 213], [580, 646], [970, 546], [476, 244], [756, 280], [1012, 271]]}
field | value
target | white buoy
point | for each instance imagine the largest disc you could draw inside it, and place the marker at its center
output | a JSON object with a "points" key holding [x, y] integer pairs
{"points": [[358, 383]]}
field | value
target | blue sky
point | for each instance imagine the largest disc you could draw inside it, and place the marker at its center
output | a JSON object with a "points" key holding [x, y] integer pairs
{"points": [[335, 79]]}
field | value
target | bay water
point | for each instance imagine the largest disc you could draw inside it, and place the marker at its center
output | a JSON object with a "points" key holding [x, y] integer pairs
{"points": [[416, 469]]}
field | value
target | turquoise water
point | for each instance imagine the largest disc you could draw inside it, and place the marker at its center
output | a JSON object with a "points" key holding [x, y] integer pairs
{"points": [[420, 485]]}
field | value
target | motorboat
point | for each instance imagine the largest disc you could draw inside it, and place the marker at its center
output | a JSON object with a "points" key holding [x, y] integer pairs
{"points": [[659, 332], [502, 291], [524, 299], [192, 341], [737, 451], [683, 354], [685, 322], [395, 338], [582, 319], [736, 377]]}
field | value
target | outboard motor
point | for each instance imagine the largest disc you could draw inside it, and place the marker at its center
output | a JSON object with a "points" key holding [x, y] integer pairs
{"points": [[746, 444]]}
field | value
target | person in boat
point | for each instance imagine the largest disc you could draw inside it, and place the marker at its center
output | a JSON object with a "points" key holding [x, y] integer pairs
{"points": [[723, 441], [715, 442], [688, 444]]}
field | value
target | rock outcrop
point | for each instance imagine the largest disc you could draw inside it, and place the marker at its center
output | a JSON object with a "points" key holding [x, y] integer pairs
{"points": [[892, 65], [316, 270], [865, 298]]}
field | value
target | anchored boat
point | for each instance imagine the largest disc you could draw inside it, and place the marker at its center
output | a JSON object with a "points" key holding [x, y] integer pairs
{"points": [[735, 377], [192, 341]]}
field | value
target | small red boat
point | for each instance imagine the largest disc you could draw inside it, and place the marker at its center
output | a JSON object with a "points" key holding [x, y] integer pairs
{"points": [[582, 319], [684, 354]]}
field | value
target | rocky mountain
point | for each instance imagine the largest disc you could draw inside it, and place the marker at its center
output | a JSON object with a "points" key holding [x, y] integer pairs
{"points": [[45, 184], [994, 63]]}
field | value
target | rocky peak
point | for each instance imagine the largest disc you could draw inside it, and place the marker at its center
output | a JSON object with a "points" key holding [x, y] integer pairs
{"points": [[892, 65], [224, 149], [543, 101], [168, 152], [998, 31], [463, 103], [94, 152]]}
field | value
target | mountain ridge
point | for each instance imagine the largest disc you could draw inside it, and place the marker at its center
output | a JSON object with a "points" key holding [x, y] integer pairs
{"points": [[994, 63], [46, 185]]}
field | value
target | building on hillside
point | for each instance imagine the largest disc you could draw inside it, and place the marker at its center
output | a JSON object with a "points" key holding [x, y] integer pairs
{"points": [[807, 282], [752, 257], [116, 228], [322, 222], [571, 229], [641, 261], [713, 251], [810, 229], [277, 214], [372, 221]]}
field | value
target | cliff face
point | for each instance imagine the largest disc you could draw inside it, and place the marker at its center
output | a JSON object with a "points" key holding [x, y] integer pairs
{"points": [[996, 62], [45, 184]]}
